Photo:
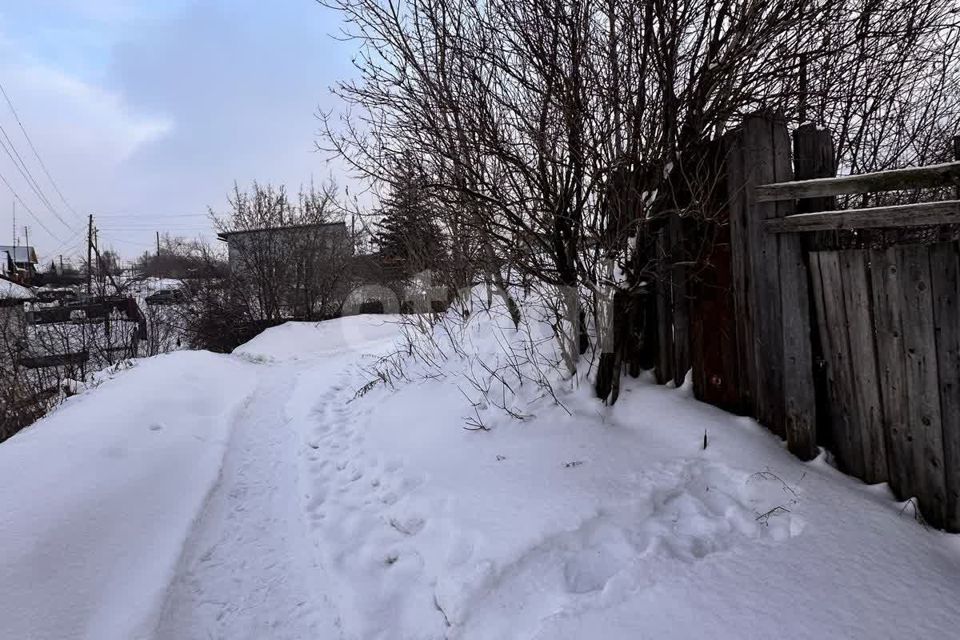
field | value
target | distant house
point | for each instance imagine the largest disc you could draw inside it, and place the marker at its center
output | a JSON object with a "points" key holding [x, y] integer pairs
{"points": [[371, 283], [296, 271], [247, 246], [20, 263]]}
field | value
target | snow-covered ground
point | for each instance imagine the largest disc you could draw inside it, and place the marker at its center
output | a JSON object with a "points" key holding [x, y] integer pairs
{"points": [[259, 495]]}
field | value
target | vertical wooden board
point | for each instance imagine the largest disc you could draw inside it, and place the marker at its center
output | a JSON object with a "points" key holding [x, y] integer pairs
{"points": [[891, 370], [664, 368], [681, 302], [836, 350], [945, 279], [713, 327], [799, 399], [825, 431], [923, 395], [800, 419], [866, 407], [698, 346], [813, 157], [760, 166], [740, 268]]}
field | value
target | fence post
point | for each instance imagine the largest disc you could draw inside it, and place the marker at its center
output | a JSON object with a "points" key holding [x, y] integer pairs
{"points": [[664, 301], [681, 303], [741, 291], [785, 397], [766, 160], [813, 157]]}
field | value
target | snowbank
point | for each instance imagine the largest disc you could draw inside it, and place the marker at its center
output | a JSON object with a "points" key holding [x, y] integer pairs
{"points": [[98, 497], [597, 522], [311, 340], [13, 291]]}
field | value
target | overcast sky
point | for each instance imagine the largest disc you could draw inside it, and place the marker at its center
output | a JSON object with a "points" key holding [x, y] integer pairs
{"points": [[146, 111]]}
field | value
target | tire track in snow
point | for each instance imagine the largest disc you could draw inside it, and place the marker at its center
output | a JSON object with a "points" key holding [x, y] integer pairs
{"points": [[244, 572]]}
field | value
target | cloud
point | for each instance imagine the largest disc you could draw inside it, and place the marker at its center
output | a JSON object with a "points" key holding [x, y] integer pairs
{"points": [[155, 111], [84, 133]]}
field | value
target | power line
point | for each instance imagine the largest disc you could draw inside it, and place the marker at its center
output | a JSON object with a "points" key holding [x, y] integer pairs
{"points": [[73, 238], [35, 152], [152, 217], [29, 210], [27, 175]]}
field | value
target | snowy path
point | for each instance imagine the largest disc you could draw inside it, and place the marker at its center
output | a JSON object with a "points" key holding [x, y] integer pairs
{"points": [[248, 569], [244, 573]]}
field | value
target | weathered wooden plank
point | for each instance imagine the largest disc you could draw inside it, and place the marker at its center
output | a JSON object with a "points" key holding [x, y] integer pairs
{"points": [[664, 298], [904, 215], [866, 407], [888, 328], [822, 262], [681, 303], [761, 148], [847, 444], [799, 397], [713, 322], [945, 280], [800, 418], [923, 395], [743, 298], [909, 178], [813, 157]]}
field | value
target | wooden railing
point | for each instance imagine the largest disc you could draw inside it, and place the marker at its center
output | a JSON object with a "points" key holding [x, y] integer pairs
{"points": [[905, 215], [936, 175]]}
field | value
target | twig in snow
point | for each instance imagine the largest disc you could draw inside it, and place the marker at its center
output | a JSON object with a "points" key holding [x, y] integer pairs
{"points": [[764, 518], [436, 603], [912, 502]]}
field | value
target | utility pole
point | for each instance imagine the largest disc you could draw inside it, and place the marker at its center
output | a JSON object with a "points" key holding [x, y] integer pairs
{"points": [[61, 264], [14, 223], [158, 244], [26, 250], [96, 254], [89, 252]]}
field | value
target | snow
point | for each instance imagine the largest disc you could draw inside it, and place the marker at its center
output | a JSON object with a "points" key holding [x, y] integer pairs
{"points": [[98, 497], [287, 491], [313, 340], [153, 284], [13, 291]]}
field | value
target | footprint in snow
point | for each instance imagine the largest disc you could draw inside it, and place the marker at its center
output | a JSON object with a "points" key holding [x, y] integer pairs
{"points": [[408, 526]]}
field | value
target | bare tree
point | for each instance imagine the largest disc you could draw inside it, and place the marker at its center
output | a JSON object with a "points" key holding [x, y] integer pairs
{"points": [[562, 137], [288, 258]]}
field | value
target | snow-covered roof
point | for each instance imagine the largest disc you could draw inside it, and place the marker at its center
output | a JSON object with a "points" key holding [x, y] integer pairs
{"points": [[20, 254], [329, 226], [13, 291]]}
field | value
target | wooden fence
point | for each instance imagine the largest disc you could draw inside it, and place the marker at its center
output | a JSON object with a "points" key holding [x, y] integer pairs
{"points": [[839, 327]]}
